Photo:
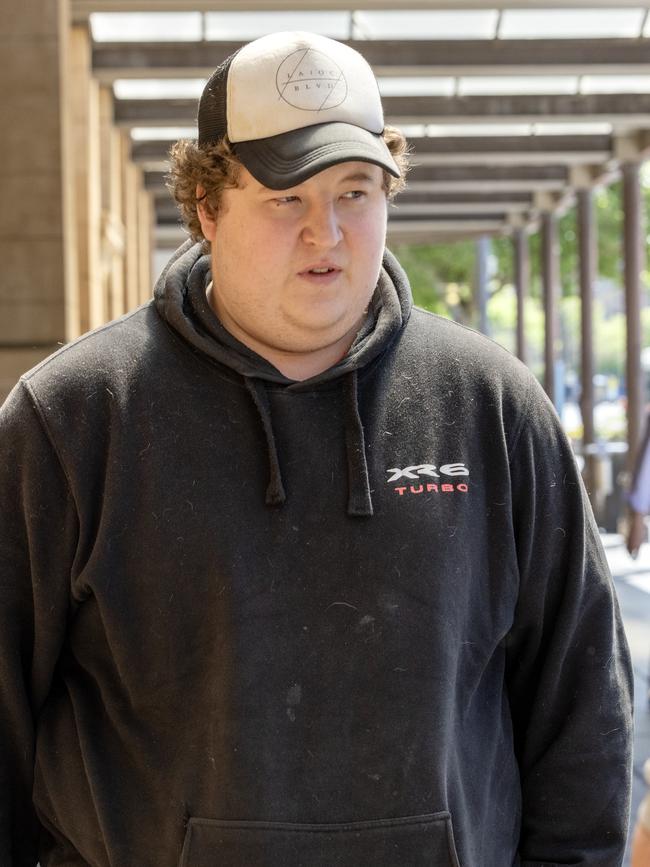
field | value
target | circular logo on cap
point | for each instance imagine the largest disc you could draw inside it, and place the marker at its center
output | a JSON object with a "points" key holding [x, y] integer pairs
{"points": [[309, 80]]}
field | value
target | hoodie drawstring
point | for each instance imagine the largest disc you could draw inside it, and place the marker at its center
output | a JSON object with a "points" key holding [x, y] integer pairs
{"points": [[275, 494], [359, 499]]}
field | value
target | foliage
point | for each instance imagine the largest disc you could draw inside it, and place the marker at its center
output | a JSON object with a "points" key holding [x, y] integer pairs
{"points": [[443, 275]]}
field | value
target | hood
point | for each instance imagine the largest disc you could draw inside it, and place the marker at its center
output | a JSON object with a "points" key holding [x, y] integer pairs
{"points": [[180, 298]]}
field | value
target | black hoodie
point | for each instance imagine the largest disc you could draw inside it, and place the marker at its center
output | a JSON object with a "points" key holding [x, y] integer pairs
{"points": [[363, 619]]}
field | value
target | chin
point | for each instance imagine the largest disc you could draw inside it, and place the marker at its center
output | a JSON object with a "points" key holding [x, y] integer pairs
{"points": [[330, 326]]}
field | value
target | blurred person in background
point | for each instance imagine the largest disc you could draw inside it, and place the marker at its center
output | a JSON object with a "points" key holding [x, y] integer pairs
{"points": [[639, 497]]}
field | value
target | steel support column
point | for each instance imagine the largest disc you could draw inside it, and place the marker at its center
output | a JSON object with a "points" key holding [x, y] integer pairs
{"points": [[634, 264], [522, 282], [482, 248], [587, 266], [550, 282]]}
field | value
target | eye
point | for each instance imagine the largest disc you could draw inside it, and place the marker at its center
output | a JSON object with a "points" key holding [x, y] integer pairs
{"points": [[354, 194], [284, 200]]}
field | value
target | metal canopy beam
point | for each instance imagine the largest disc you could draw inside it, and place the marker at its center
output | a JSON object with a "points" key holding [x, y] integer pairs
{"points": [[486, 185], [469, 210], [169, 232], [529, 176], [435, 179], [510, 151], [523, 108], [401, 110], [459, 228], [531, 144], [490, 174], [81, 9], [463, 219], [171, 237], [411, 57], [405, 206], [481, 147], [475, 183], [502, 199]]}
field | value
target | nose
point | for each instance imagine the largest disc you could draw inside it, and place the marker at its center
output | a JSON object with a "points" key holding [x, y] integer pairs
{"points": [[322, 227]]}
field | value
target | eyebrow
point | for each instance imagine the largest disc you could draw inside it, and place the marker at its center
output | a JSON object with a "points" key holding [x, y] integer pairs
{"points": [[357, 176]]}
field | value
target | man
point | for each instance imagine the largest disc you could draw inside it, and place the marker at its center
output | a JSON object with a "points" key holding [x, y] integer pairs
{"points": [[296, 575]]}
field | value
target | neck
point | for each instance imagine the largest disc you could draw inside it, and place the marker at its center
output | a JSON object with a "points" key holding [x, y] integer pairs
{"points": [[304, 365], [297, 365]]}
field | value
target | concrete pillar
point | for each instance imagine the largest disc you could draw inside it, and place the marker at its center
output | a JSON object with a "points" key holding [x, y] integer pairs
{"points": [[633, 223], [130, 185], [32, 216], [112, 226], [145, 232], [587, 266], [522, 284], [550, 283], [86, 308]]}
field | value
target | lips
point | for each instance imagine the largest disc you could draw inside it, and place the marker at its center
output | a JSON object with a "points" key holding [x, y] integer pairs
{"points": [[319, 269]]}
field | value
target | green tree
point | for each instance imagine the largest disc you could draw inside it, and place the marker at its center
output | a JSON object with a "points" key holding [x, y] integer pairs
{"points": [[442, 277]]}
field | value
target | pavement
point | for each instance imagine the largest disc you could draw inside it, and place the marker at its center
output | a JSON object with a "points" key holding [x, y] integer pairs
{"points": [[632, 582]]}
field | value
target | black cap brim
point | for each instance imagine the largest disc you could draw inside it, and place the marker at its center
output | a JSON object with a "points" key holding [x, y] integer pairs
{"points": [[285, 160]]}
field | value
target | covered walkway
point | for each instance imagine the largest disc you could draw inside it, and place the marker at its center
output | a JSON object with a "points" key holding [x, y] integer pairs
{"points": [[515, 109]]}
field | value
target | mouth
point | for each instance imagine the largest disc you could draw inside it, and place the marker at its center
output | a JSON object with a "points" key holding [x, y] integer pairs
{"points": [[324, 272], [320, 269]]}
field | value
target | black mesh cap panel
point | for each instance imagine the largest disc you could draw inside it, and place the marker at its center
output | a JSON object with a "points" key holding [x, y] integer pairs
{"points": [[212, 120]]}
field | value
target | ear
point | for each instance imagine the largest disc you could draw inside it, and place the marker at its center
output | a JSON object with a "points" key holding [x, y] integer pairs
{"points": [[208, 222]]}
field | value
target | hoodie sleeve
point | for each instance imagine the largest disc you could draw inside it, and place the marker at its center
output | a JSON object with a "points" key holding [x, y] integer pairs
{"points": [[38, 531], [569, 671]]}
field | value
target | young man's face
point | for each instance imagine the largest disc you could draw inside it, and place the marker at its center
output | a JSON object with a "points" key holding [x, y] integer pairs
{"points": [[294, 270]]}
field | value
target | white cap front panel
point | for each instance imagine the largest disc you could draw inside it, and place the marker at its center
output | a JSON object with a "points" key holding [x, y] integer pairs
{"points": [[288, 81]]}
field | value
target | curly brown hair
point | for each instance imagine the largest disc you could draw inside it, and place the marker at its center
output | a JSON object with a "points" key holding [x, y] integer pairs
{"points": [[216, 168]]}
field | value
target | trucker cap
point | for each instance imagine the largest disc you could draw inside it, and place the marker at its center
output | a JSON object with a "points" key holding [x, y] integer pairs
{"points": [[293, 104]]}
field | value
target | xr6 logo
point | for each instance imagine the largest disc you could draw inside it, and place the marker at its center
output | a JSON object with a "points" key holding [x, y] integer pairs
{"points": [[427, 470]]}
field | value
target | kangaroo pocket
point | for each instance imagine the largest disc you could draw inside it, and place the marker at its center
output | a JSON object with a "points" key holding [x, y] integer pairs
{"points": [[416, 841]]}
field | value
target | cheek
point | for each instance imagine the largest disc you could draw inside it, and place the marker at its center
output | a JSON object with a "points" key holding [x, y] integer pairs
{"points": [[240, 254], [247, 262], [265, 250], [370, 244], [375, 224]]}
